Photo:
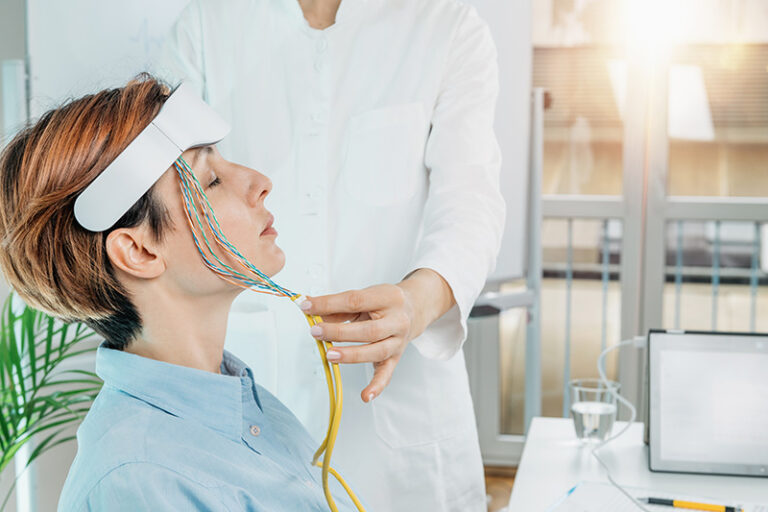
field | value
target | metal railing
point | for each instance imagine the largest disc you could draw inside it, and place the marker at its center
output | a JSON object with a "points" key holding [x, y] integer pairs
{"points": [[716, 273]]}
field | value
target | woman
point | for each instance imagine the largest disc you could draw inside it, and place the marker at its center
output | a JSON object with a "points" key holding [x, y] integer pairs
{"points": [[179, 423]]}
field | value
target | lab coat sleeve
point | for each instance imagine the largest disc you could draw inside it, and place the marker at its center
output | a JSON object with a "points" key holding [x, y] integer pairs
{"points": [[464, 214], [181, 57], [148, 486]]}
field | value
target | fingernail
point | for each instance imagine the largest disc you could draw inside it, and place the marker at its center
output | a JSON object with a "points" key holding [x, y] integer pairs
{"points": [[371, 396], [316, 331], [332, 355], [306, 305]]}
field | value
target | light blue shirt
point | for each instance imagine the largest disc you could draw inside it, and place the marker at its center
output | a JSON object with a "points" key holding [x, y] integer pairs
{"points": [[165, 437]]}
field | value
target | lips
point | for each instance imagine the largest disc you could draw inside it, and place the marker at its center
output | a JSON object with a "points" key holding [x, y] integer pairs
{"points": [[268, 227]]}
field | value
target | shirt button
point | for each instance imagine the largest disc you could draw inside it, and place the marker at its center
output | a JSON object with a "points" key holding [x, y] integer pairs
{"points": [[321, 44], [318, 65], [255, 430]]}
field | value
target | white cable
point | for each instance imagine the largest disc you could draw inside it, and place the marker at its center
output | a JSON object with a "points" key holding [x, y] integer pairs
{"points": [[633, 414]]}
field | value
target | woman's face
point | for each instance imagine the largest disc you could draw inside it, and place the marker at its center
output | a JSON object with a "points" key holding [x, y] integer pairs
{"points": [[237, 195]]}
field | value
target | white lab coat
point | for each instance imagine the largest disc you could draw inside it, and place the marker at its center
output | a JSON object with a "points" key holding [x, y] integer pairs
{"points": [[377, 133]]}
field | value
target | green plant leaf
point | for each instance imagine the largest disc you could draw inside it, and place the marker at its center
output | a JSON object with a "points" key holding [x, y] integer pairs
{"points": [[38, 401], [14, 358], [46, 444], [28, 336]]}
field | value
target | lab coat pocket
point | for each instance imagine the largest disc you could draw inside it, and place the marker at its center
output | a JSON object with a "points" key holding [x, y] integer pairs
{"points": [[426, 401], [384, 154]]}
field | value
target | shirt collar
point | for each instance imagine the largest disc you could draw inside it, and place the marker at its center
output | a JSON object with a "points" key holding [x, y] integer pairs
{"points": [[208, 398]]}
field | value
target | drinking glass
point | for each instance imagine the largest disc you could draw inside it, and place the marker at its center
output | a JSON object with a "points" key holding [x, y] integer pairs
{"points": [[593, 408]]}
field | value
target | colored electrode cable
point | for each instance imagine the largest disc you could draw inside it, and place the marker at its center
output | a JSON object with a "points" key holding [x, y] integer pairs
{"points": [[253, 279]]}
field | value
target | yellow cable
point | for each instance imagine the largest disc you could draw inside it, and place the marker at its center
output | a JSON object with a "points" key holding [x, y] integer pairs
{"points": [[336, 402]]}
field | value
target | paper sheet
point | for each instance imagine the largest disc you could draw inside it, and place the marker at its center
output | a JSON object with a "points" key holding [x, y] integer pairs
{"points": [[603, 497]]}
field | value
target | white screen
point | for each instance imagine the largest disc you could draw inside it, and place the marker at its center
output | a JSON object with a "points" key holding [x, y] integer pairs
{"points": [[710, 401]]}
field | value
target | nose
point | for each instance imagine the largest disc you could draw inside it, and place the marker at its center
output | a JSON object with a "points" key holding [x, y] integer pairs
{"points": [[259, 186]]}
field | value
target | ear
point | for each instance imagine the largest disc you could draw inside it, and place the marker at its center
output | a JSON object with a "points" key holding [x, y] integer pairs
{"points": [[133, 251]]}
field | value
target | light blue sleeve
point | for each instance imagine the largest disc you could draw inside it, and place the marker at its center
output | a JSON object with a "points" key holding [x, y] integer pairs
{"points": [[147, 486]]}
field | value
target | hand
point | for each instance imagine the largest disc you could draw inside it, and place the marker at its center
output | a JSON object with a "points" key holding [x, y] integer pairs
{"points": [[384, 317], [380, 316]]}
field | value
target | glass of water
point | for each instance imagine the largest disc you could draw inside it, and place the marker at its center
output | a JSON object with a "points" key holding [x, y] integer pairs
{"points": [[593, 408]]}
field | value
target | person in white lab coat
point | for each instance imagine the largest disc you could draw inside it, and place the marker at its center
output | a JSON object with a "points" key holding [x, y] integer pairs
{"points": [[374, 119]]}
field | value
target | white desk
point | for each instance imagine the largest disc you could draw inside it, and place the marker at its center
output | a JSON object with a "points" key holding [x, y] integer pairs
{"points": [[554, 461]]}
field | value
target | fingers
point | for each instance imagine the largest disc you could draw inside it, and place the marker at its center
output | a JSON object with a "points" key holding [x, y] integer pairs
{"points": [[371, 353], [382, 374], [345, 317], [380, 317], [357, 301], [367, 331]]}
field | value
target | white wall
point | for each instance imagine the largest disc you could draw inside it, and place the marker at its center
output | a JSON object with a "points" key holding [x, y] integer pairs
{"points": [[11, 47], [12, 44], [82, 46]]}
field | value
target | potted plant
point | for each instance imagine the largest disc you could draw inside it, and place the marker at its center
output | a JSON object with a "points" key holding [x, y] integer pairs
{"points": [[39, 399]]}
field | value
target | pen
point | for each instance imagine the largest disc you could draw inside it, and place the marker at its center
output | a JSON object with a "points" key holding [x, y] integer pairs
{"points": [[691, 505]]}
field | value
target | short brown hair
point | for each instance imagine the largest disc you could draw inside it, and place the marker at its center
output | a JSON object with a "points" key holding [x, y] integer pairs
{"points": [[52, 262]]}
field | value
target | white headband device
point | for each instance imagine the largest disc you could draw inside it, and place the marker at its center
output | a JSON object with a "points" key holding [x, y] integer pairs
{"points": [[185, 121]]}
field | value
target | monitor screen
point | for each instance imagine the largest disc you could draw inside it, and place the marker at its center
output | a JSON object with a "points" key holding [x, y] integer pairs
{"points": [[708, 402]]}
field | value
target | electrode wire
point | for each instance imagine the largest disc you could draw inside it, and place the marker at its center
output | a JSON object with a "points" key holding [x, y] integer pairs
{"points": [[633, 414]]}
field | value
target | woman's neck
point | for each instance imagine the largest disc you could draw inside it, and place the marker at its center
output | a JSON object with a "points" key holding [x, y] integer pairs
{"points": [[320, 14], [182, 332]]}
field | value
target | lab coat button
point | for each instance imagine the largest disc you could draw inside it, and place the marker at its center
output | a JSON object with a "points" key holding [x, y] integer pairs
{"points": [[255, 430]]}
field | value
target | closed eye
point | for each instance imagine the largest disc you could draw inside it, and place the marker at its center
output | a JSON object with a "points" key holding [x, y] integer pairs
{"points": [[215, 182]]}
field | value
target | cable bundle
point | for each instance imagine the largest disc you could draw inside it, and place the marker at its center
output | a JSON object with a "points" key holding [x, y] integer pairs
{"points": [[253, 279]]}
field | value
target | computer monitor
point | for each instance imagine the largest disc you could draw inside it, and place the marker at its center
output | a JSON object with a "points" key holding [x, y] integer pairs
{"points": [[708, 402]]}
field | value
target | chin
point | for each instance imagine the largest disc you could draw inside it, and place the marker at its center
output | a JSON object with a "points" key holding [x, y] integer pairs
{"points": [[275, 264]]}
